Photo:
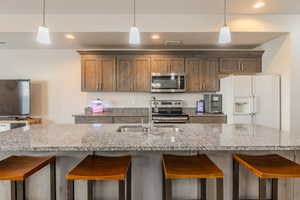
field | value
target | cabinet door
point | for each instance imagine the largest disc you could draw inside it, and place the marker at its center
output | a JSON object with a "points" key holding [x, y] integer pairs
{"points": [[229, 65], [159, 65], [250, 65], [192, 68], [176, 65], [107, 73], [125, 77], [141, 73], [89, 73], [210, 75]]}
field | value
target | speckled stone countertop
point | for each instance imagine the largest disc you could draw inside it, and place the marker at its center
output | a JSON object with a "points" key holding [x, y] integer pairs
{"points": [[194, 137]]}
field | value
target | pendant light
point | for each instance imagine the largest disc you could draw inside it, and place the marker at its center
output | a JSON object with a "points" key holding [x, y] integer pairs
{"points": [[225, 33], [43, 36], [134, 34]]}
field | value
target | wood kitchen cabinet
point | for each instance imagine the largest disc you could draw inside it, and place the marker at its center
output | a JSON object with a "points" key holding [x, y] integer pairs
{"points": [[208, 119], [161, 64], [133, 73], [240, 65], [202, 74], [98, 73]]}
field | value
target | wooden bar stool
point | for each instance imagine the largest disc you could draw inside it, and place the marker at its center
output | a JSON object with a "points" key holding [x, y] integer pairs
{"points": [[96, 168], [264, 167], [198, 167], [18, 168]]}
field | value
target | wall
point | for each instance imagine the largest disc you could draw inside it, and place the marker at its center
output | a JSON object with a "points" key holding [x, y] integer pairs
{"points": [[55, 76]]}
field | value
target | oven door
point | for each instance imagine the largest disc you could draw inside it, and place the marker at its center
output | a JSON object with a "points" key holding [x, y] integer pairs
{"points": [[167, 82], [170, 119]]}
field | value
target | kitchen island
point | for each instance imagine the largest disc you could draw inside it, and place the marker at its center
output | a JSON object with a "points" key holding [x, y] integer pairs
{"points": [[71, 143]]}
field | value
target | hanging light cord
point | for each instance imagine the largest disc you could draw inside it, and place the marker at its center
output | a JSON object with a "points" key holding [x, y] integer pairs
{"points": [[225, 12], [44, 12], [134, 20]]}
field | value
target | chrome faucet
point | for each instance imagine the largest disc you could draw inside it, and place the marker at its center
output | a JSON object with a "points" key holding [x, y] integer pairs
{"points": [[150, 120]]}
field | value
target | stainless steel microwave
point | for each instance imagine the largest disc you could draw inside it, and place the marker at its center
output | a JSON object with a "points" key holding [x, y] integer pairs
{"points": [[169, 82]]}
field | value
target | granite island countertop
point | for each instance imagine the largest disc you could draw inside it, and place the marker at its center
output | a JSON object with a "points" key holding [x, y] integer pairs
{"points": [[194, 137]]}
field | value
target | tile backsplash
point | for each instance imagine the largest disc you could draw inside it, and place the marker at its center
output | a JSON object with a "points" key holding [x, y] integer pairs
{"points": [[130, 99]]}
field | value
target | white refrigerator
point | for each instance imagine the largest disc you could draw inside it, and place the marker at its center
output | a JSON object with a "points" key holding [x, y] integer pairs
{"points": [[252, 99]]}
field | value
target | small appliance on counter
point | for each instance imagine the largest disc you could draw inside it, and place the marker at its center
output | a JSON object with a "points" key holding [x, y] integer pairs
{"points": [[97, 106], [213, 103], [200, 106], [168, 111]]}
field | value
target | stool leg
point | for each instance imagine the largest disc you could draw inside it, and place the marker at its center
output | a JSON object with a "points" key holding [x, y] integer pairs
{"points": [[20, 186], [220, 189], [121, 190], [235, 181], [53, 180], [128, 183], [203, 188], [168, 189], [274, 189], [262, 189], [163, 185], [90, 189], [13, 186], [70, 194]]}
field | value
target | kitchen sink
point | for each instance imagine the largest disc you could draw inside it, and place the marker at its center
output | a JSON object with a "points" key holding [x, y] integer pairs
{"points": [[132, 128], [156, 129], [166, 128]]}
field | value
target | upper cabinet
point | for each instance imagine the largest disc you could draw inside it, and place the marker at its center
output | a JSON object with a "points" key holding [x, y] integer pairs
{"points": [[133, 73], [98, 73], [130, 71], [240, 65], [168, 64], [202, 74]]}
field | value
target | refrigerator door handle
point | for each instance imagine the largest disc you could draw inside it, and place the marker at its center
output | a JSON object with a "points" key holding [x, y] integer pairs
{"points": [[254, 105]]}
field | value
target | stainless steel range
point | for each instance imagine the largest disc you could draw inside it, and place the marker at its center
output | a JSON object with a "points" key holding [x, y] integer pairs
{"points": [[168, 111]]}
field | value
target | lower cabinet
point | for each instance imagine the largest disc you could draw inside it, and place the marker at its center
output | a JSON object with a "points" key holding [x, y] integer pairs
{"points": [[109, 120], [208, 119], [93, 120]]}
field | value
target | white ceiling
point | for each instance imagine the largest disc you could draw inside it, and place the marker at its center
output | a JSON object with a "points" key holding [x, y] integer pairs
{"points": [[148, 7], [88, 40]]}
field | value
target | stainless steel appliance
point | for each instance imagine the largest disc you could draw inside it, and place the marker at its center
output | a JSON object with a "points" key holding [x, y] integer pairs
{"points": [[171, 82], [168, 111], [213, 103]]}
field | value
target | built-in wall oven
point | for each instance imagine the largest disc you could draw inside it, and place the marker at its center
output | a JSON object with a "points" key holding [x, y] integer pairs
{"points": [[169, 82]]}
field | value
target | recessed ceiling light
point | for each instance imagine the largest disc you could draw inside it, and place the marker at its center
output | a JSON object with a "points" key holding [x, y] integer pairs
{"points": [[70, 36], [259, 4], [155, 37]]}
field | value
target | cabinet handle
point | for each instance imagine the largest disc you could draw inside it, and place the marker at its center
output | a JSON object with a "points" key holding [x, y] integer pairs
{"points": [[242, 67], [97, 87]]}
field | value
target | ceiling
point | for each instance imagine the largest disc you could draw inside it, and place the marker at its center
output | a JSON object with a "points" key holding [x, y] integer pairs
{"points": [[148, 7], [101, 40]]}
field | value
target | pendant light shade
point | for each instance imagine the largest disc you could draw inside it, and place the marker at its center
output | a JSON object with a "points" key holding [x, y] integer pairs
{"points": [[43, 35], [134, 34], [225, 33]]}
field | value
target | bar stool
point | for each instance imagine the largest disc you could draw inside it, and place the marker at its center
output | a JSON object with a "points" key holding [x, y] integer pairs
{"points": [[18, 168], [264, 167], [95, 168], [198, 167]]}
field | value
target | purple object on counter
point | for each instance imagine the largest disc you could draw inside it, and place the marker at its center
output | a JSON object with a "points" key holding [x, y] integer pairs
{"points": [[200, 107]]}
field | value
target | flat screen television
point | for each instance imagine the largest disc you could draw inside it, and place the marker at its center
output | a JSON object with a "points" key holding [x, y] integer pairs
{"points": [[14, 98]]}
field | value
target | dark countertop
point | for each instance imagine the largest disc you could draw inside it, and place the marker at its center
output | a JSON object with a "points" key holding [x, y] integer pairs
{"points": [[142, 112]]}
